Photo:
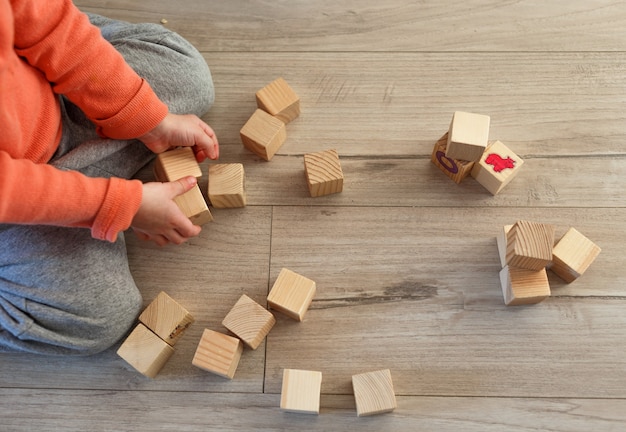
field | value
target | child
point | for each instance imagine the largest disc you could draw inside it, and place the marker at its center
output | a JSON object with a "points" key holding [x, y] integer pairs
{"points": [[85, 102]]}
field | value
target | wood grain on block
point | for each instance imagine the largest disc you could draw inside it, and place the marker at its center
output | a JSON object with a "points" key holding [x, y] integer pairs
{"points": [[291, 294], [529, 245], [166, 318], [145, 351], [301, 391], [249, 321], [263, 134], [573, 255], [323, 173], [280, 100], [218, 353]]}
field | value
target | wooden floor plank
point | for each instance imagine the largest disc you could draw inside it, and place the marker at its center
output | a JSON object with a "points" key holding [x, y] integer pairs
{"points": [[192, 411], [393, 25], [417, 291], [399, 104], [411, 181]]}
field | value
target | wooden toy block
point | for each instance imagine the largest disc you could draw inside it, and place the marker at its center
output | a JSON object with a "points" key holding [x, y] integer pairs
{"points": [[176, 164], [501, 241], [263, 134], [301, 391], [497, 167], [194, 206], [572, 255], [323, 173], [249, 321], [457, 170], [468, 135], [521, 286], [145, 351], [218, 353], [373, 392], [227, 185], [166, 318], [291, 294], [278, 99], [529, 245], [191, 203]]}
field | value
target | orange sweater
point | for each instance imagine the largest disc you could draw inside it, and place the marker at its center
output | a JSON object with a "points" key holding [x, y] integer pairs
{"points": [[49, 48]]}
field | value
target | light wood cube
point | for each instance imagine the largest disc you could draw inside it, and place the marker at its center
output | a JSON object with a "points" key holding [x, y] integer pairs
{"points": [[176, 164], [457, 170], [301, 391], [522, 287], [374, 393], [145, 351], [227, 185], [166, 318], [323, 173], [468, 136], [249, 321], [173, 168], [501, 241], [193, 205], [291, 294], [529, 245], [572, 255], [497, 167], [278, 99], [263, 134], [218, 353]]}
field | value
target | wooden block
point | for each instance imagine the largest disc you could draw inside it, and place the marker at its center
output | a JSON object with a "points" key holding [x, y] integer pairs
{"points": [[501, 241], [145, 351], [468, 135], [323, 173], [572, 255], [227, 185], [529, 245], [497, 167], [301, 391], [218, 353], [263, 134], [278, 99], [166, 318], [521, 286], [176, 164], [373, 392], [457, 170], [291, 294], [193, 205], [249, 321]]}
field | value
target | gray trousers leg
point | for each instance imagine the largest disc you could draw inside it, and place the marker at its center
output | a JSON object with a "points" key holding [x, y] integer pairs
{"points": [[61, 291]]}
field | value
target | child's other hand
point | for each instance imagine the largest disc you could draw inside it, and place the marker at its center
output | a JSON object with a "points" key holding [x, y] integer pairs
{"points": [[183, 131], [159, 219]]}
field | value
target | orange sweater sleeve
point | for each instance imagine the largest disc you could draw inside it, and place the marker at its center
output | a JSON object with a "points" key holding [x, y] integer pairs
{"points": [[49, 47]]}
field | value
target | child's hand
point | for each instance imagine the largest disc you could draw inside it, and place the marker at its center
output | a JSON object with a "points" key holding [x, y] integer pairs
{"points": [[159, 219], [183, 131]]}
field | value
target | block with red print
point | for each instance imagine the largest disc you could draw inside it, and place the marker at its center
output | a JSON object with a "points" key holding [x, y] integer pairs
{"points": [[497, 167]]}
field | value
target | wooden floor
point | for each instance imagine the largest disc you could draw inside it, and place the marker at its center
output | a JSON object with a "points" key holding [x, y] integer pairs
{"points": [[405, 260]]}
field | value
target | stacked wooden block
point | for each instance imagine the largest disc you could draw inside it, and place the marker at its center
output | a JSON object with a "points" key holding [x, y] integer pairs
{"points": [[265, 132], [250, 323], [527, 249], [175, 164], [150, 345], [465, 149]]}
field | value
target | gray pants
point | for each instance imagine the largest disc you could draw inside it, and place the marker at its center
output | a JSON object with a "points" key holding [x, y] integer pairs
{"points": [[61, 291]]}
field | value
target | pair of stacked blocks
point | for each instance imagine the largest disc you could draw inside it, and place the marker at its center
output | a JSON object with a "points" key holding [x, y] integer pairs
{"points": [[373, 392], [226, 185], [465, 149], [527, 249], [265, 132], [150, 345]]}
